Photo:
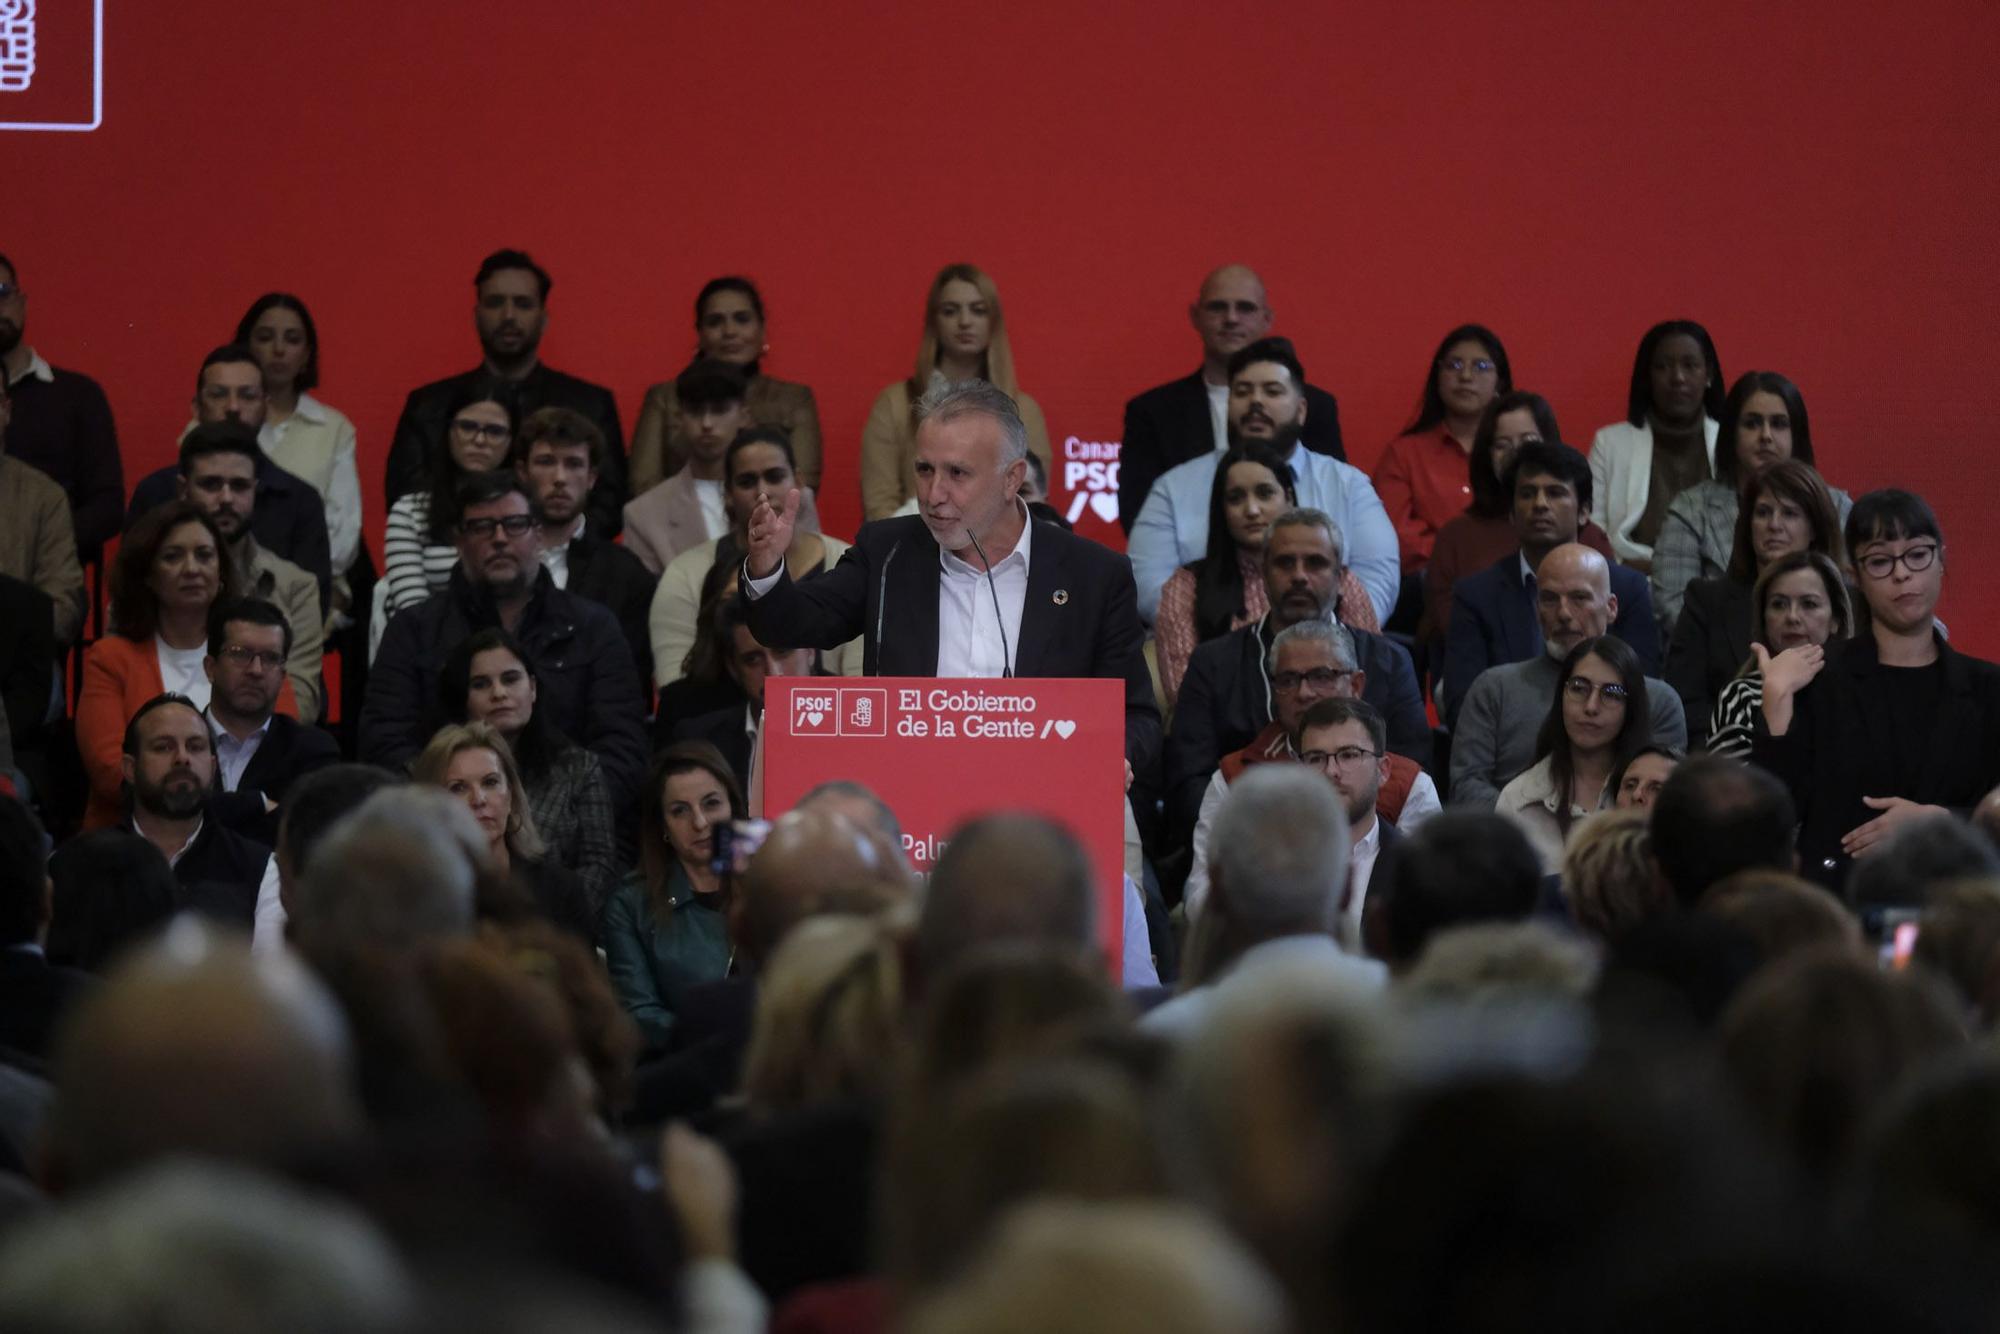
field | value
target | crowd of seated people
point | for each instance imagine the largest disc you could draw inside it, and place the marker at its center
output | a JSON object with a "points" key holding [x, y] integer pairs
{"points": [[1620, 822]]}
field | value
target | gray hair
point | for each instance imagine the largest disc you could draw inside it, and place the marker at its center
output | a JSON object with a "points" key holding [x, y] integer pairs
{"points": [[1279, 848], [1307, 517], [946, 401], [400, 869], [1923, 854], [1338, 642]]}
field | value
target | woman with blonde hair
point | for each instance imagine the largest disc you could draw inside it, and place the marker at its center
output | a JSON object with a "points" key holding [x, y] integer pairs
{"points": [[829, 1017], [965, 338], [472, 762], [1608, 876]]}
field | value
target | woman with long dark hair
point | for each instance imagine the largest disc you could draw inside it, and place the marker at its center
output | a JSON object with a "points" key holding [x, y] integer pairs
{"points": [[1224, 590], [1597, 721], [1421, 476], [1666, 443], [420, 546]]}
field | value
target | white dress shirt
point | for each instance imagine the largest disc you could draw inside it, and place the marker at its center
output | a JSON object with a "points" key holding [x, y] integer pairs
{"points": [[232, 757], [1360, 865], [555, 555], [1218, 415]]}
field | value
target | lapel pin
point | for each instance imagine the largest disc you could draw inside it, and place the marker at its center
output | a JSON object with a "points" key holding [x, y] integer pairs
{"points": [[1062, 596]]}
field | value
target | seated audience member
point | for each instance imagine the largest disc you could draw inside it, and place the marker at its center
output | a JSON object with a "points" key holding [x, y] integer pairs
{"points": [[1763, 424], [758, 461], [288, 517], [371, 863], [1929, 1164], [1715, 817], [1421, 476], [1309, 662], [1279, 873], [732, 729], [1070, 1267], [420, 545], [193, 1046], [1460, 868], [1958, 939], [1347, 741], [1187, 418], [1610, 882], [1484, 532], [1665, 445], [170, 572], [1493, 742], [110, 889], [1267, 404], [1005, 878], [1780, 913], [558, 453], [259, 752], [1800, 601], [1226, 697], [34, 993], [219, 478], [61, 424], [1892, 724], [1637, 782], [1501, 965], [1597, 720], [728, 328], [704, 684], [1494, 616], [1788, 511], [491, 678], [1906, 868], [473, 763], [690, 507], [829, 1018], [37, 535], [510, 313], [665, 929], [1814, 1044], [587, 685], [965, 338], [1986, 816], [30, 671], [305, 437]]}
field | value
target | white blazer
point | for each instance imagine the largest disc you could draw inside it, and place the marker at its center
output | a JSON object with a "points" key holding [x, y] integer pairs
{"points": [[1621, 472]]}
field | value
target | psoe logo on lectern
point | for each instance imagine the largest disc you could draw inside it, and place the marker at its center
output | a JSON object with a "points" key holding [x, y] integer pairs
{"points": [[51, 65]]}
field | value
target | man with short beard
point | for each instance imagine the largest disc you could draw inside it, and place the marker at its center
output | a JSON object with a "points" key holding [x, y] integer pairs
{"points": [[509, 313], [169, 769], [61, 424], [1344, 739]]}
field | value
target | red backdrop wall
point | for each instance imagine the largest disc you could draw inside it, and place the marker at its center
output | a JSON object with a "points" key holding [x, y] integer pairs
{"points": [[1814, 183]]}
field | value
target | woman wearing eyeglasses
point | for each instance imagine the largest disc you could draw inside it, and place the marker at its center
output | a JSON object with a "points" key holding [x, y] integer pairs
{"points": [[1891, 725], [1421, 476], [1598, 721], [418, 550]]}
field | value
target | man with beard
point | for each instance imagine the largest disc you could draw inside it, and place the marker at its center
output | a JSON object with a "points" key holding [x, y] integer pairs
{"points": [[1344, 739], [259, 752], [559, 455], [61, 424], [510, 313], [169, 769], [219, 477], [1267, 402], [1189, 417], [586, 685], [289, 518], [1230, 690]]}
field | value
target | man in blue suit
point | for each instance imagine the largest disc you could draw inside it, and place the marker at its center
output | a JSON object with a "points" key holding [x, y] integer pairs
{"points": [[1493, 618]]}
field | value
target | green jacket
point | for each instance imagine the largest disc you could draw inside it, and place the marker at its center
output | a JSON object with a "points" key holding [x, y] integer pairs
{"points": [[654, 961]]}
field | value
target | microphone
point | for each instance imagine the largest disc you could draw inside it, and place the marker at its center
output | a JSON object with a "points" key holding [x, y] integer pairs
{"points": [[1006, 654], [882, 602]]}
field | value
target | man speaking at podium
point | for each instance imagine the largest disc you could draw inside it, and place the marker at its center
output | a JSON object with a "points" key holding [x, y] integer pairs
{"points": [[967, 586]]}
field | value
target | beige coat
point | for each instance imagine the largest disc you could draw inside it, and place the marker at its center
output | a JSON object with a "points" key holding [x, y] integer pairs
{"points": [[659, 441], [889, 449], [295, 593], [677, 605], [38, 541]]}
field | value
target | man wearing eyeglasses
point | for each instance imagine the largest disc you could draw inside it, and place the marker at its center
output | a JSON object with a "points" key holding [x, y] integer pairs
{"points": [[259, 752], [1346, 740], [1891, 725], [218, 476], [587, 685]]}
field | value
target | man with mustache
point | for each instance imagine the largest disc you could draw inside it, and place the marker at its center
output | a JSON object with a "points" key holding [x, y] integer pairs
{"points": [[510, 313], [1268, 403]]}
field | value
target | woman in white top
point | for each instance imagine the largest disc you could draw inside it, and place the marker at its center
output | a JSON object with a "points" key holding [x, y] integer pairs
{"points": [[302, 435], [1667, 442], [1597, 721], [418, 549]]}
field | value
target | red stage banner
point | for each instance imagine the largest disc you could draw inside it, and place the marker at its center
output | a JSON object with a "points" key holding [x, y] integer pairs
{"points": [[941, 751]]}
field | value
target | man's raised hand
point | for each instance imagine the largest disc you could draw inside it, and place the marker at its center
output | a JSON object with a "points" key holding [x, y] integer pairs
{"points": [[771, 533]]}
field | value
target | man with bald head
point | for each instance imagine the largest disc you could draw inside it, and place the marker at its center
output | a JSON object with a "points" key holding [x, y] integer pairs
{"points": [[1494, 739], [1006, 878], [1493, 612], [1187, 418]]}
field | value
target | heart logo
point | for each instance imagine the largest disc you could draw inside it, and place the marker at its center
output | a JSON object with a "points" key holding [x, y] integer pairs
{"points": [[1105, 505], [1065, 726], [816, 717]]}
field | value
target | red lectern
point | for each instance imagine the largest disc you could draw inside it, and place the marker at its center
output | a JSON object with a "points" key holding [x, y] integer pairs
{"points": [[941, 751]]}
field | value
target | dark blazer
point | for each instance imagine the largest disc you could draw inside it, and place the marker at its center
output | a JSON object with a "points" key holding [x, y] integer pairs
{"points": [[289, 751], [888, 581], [34, 993], [1710, 645], [587, 686], [290, 518], [1493, 621], [1225, 701], [723, 729], [27, 660], [1171, 425], [420, 433], [616, 580], [1828, 757]]}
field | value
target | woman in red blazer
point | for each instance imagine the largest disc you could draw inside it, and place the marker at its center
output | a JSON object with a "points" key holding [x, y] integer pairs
{"points": [[172, 567]]}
